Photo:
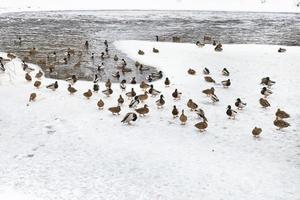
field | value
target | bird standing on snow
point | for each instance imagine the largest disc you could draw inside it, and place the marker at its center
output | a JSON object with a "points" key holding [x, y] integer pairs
{"points": [[206, 71], [131, 94], [96, 78], [183, 118], [32, 97], [108, 83], [123, 85], [129, 117], [39, 74], [53, 86], [201, 114], [209, 92], [100, 104], [281, 114], [266, 92], [239, 104], [88, 94], [175, 112], [256, 132], [37, 84], [176, 95], [134, 102], [225, 72], [72, 80], [191, 71], [95, 87], [214, 98], [192, 105], [133, 81], [209, 79], [143, 110], [226, 83], [231, 113], [115, 110], [143, 97], [28, 77], [167, 82], [280, 123], [160, 102], [144, 86], [120, 100], [202, 125], [153, 91], [71, 89], [264, 103], [267, 81], [108, 92]]}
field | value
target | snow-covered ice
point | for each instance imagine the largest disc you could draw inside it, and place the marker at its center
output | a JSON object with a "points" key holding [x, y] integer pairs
{"points": [[62, 147]]}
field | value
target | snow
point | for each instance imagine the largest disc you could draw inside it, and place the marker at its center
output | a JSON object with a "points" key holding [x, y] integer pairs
{"points": [[62, 147]]}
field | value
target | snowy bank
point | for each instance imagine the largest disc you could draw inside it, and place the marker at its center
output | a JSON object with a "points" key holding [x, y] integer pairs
{"points": [[62, 147]]}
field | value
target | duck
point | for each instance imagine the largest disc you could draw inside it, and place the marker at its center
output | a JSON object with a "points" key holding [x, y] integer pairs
{"points": [[230, 112], [71, 89], [183, 118], [155, 50], [176, 95], [123, 85], [120, 100], [225, 72], [209, 79], [100, 67], [53, 86], [175, 112], [137, 64], [96, 78], [200, 44], [103, 55], [96, 87], [239, 104], [115, 110], [206, 71], [153, 91], [264, 103], [157, 75], [133, 81], [93, 56], [192, 105], [201, 114], [100, 104], [142, 68], [219, 48], [143, 110], [143, 97], [256, 132], [201, 126], [116, 58], [214, 98], [131, 116], [134, 102], [160, 102], [167, 82], [26, 68], [281, 50], [140, 52], [88, 94], [149, 78], [226, 83], [116, 75], [72, 80], [209, 91], [32, 97], [108, 92], [281, 114], [266, 92], [37, 84], [39, 74], [108, 83], [28, 77], [144, 86], [191, 71], [131, 94], [267, 81], [280, 123]]}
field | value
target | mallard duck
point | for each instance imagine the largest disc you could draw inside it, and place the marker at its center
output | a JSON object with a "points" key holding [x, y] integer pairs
{"points": [[175, 112], [209, 91], [201, 126], [167, 82], [192, 105], [100, 104], [108, 83], [281, 114], [206, 71], [155, 50], [53, 86], [143, 110], [123, 85], [120, 100], [191, 71], [115, 110], [39, 74], [160, 102], [116, 75], [225, 72], [96, 78], [133, 81], [267, 81], [176, 95], [219, 48], [214, 98], [183, 118], [137, 64], [266, 92], [281, 50], [143, 97], [37, 84], [131, 94], [144, 86], [71, 89], [264, 103], [140, 52], [134, 102], [226, 83], [27, 69], [129, 117], [157, 75], [256, 132], [96, 87], [88, 94], [230, 112], [153, 91], [108, 92], [201, 114], [209, 79], [116, 58], [32, 97], [28, 77], [280, 123], [239, 104]]}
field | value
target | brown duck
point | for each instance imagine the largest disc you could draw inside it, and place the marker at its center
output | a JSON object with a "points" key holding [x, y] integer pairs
{"points": [[192, 105], [183, 118], [28, 77], [209, 92], [176, 95], [32, 97], [175, 112], [143, 97], [88, 94], [144, 86], [167, 82], [71, 89], [115, 110], [37, 84], [143, 110], [131, 94], [256, 132], [100, 104], [281, 114], [108, 84], [39, 74], [191, 71], [281, 123], [209, 79], [120, 100], [201, 126], [264, 103]]}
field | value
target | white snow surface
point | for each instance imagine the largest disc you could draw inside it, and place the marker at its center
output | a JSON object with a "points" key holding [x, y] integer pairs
{"points": [[62, 147]]}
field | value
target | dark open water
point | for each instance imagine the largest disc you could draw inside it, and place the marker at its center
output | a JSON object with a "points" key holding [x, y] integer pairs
{"points": [[56, 31]]}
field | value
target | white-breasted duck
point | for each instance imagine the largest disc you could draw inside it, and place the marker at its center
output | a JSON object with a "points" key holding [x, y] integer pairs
{"points": [[226, 83], [239, 104], [153, 91], [108, 92], [206, 71], [129, 117], [134, 102], [225, 72], [116, 75], [267, 81], [266, 92], [123, 85], [100, 67], [53, 86], [72, 80]]}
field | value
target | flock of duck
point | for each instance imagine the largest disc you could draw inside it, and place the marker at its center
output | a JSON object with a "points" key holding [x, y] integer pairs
{"points": [[138, 101]]}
